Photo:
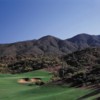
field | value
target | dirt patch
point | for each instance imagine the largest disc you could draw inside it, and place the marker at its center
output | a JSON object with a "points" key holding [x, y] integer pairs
{"points": [[52, 69]]}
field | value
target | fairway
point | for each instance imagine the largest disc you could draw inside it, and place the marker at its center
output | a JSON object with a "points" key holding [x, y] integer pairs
{"points": [[11, 90]]}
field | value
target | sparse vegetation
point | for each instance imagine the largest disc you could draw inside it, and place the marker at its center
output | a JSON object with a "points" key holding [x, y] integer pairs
{"points": [[36, 63]]}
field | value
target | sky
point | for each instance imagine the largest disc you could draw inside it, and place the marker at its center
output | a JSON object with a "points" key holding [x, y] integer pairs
{"points": [[31, 19]]}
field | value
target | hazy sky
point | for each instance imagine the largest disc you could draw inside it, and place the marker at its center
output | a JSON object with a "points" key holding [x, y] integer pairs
{"points": [[30, 19]]}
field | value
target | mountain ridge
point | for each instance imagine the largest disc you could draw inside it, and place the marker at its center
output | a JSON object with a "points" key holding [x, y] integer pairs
{"points": [[48, 45]]}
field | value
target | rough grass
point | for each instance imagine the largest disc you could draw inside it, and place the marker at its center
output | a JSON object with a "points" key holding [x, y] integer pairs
{"points": [[11, 90]]}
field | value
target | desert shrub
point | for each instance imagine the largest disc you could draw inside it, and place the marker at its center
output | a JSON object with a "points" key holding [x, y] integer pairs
{"points": [[67, 72], [39, 83], [79, 79], [26, 79]]}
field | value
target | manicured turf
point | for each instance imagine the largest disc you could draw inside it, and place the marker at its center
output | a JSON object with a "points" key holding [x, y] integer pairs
{"points": [[11, 90]]}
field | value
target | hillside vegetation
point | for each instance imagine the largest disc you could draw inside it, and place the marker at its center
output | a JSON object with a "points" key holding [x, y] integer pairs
{"points": [[83, 68]]}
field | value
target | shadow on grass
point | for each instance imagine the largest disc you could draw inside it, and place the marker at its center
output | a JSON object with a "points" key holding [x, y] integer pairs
{"points": [[98, 98], [95, 92]]}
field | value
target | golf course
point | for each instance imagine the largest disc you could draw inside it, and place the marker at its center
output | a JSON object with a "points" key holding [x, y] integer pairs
{"points": [[10, 89]]}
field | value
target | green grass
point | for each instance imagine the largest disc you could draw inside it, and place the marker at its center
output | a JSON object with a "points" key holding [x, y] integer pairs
{"points": [[11, 90]]}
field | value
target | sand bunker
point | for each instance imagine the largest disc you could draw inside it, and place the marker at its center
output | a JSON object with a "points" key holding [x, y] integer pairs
{"points": [[34, 80], [24, 80], [27, 80]]}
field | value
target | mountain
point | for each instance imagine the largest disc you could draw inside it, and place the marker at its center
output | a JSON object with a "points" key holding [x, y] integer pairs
{"points": [[85, 40], [47, 45]]}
